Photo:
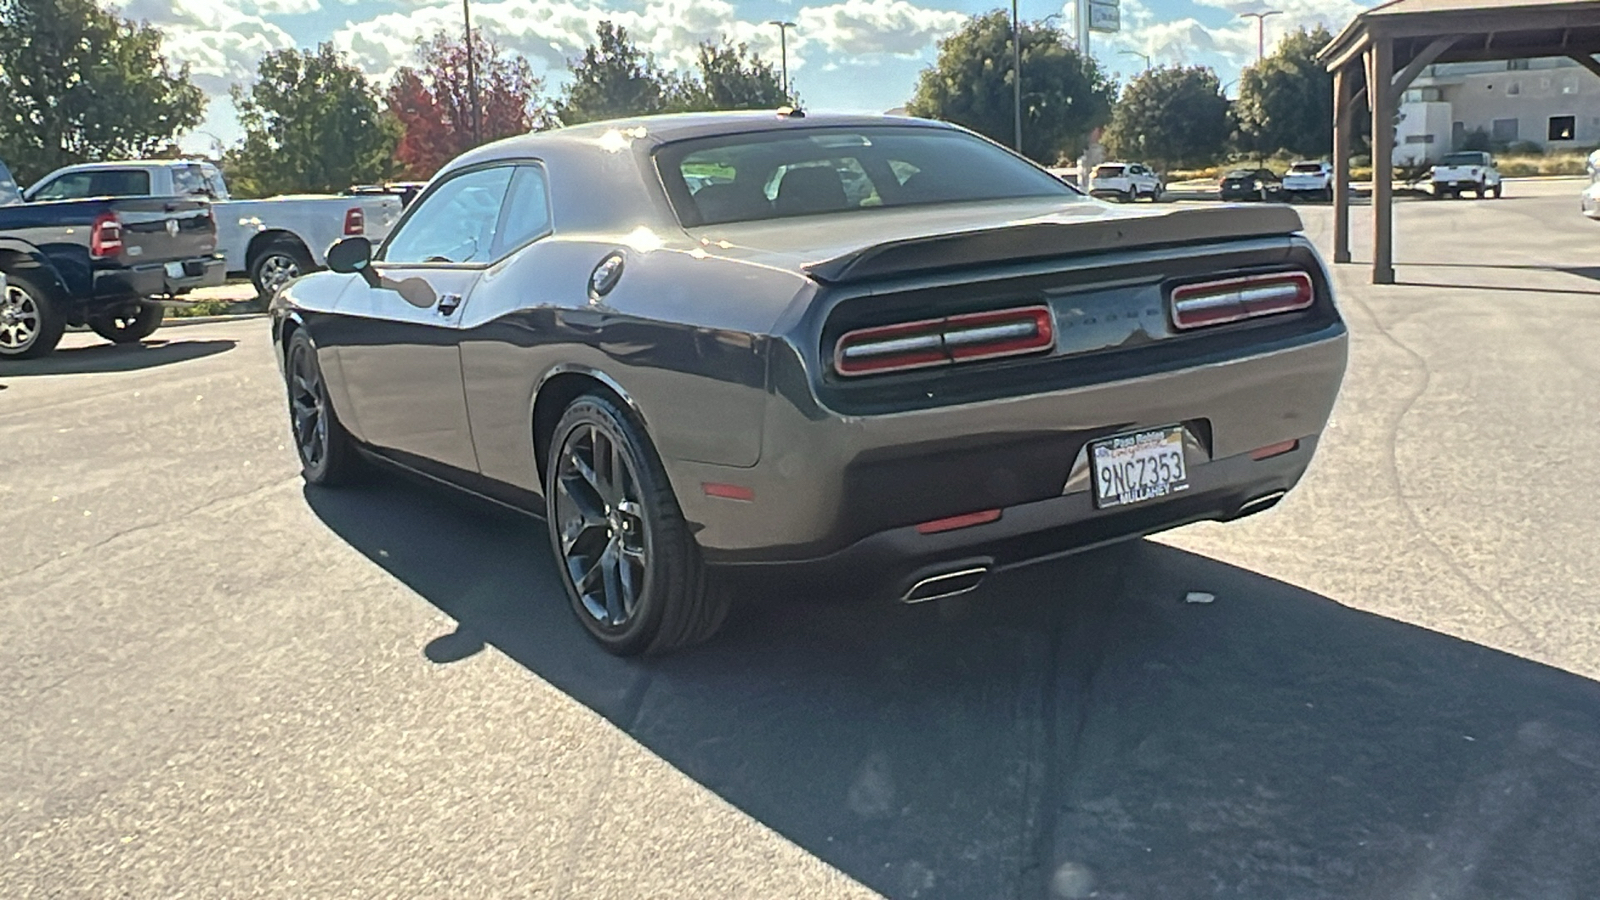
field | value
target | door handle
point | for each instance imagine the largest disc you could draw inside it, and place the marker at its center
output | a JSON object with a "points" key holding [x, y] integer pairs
{"points": [[448, 303]]}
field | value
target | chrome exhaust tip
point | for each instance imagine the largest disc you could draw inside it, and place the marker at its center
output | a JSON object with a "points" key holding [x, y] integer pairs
{"points": [[1263, 502], [945, 584]]}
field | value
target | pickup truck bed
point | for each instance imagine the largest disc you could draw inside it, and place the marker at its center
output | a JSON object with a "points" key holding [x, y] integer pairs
{"points": [[99, 262]]}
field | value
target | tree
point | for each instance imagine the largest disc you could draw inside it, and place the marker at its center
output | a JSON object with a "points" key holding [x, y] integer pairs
{"points": [[433, 103], [80, 83], [613, 79], [312, 123], [728, 77], [1171, 116], [1286, 100], [1065, 96]]}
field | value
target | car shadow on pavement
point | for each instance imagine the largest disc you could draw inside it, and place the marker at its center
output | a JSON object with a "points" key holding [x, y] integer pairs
{"points": [[1075, 729], [109, 357]]}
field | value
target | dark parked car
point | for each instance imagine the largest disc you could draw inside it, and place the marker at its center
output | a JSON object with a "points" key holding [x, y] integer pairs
{"points": [[697, 348], [1251, 184], [98, 262]]}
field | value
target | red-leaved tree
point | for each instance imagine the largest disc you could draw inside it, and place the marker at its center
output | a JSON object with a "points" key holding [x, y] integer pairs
{"points": [[433, 101]]}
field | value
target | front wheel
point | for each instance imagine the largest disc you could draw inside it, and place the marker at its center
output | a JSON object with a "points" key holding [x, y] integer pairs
{"points": [[146, 317], [630, 566], [30, 324], [1480, 190], [327, 452], [1497, 191]]}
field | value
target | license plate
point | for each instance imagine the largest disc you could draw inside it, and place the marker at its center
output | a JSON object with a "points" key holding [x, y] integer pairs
{"points": [[1138, 467], [174, 270]]}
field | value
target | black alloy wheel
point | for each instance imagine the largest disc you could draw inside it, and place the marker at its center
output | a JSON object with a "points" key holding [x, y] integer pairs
{"points": [[631, 569], [327, 453], [29, 326], [130, 326]]}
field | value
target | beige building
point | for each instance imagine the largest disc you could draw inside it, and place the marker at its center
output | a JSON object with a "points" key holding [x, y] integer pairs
{"points": [[1553, 103]]}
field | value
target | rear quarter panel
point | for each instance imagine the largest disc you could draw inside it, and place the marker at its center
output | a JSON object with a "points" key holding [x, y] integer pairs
{"points": [[683, 336]]}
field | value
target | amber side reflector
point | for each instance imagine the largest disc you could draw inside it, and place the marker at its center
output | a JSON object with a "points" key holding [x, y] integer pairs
{"points": [[965, 520], [1272, 450], [728, 491]]}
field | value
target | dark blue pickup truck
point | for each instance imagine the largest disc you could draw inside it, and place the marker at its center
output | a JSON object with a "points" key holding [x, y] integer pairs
{"points": [[108, 263]]}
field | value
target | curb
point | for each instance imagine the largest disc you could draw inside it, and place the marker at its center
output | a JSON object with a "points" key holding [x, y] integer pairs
{"points": [[175, 322]]}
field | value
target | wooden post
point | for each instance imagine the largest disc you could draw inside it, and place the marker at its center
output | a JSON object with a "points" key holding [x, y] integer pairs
{"points": [[1380, 75], [1343, 117]]}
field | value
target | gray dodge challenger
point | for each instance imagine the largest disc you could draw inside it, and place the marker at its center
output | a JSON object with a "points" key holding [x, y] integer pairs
{"points": [[881, 351]]}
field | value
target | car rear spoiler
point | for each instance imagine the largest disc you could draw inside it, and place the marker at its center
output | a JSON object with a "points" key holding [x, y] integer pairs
{"points": [[1054, 238]]}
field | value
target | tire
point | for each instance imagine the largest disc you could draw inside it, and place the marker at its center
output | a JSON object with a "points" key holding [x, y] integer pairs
{"points": [[632, 570], [1497, 190], [130, 329], [276, 265], [1129, 196], [31, 323], [1481, 190], [327, 453]]}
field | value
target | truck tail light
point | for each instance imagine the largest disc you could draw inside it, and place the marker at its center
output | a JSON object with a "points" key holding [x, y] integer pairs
{"points": [[1217, 302], [355, 222], [941, 342], [105, 236]]}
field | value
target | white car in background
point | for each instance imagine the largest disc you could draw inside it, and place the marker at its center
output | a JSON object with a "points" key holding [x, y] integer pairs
{"points": [[272, 241], [1466, 170], [1125, 181], [1306, 178]]}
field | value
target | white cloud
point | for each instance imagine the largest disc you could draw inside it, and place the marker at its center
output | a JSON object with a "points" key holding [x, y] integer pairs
{"points": [[221, 43], [859, 28], [1188, 40]]}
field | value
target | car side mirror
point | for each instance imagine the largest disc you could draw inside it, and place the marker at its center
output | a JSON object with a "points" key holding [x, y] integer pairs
{"points": [[353, 256]]}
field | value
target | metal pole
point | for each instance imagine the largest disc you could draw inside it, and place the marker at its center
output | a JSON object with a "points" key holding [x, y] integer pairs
{"points": [[472, 75], [1261, 29], [1143, 56], [783, 52], [1016, 77]]}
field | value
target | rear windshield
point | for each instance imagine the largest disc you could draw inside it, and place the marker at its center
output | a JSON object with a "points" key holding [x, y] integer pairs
{"points": [[1462, 159], [772, 175], [1242, 173], [1312, 168], [1108, 171]]}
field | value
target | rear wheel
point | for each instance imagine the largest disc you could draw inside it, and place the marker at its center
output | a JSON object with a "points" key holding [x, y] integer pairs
{"points": [[278, 264], [327, 452], [30, 323], [130, 326], [632, 570]]}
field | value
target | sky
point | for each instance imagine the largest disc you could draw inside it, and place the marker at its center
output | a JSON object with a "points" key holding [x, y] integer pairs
{"points": [[849, 55]]}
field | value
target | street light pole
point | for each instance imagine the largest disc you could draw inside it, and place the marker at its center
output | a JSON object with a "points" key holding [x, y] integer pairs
{"points": [[472, 75], [1261, 28], [1143, 56], [783, 52], [1016, 77]]}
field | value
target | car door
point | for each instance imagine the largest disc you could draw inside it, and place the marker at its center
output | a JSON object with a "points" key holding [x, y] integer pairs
{"points": [[398, 343]]}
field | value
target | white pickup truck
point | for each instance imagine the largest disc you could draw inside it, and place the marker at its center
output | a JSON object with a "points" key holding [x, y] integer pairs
{"points": [[1466, 170], [271, 241]]}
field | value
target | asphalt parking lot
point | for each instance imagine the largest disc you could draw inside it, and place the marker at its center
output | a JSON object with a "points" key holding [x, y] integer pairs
{"points": [[220, 683]]}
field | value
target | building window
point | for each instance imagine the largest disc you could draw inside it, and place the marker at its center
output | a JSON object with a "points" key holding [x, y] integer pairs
{"points": [[1514, 87], [1563, 128], [1419, 138], [1516, 65], [1504, 131]]}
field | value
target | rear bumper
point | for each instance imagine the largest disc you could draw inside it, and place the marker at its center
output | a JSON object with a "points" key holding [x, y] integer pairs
{"points": [[159, 279], [826, 482], [890, 563]]}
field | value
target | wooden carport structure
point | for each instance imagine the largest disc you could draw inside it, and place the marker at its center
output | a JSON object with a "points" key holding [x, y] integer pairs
{"points": [[1391, 44]]}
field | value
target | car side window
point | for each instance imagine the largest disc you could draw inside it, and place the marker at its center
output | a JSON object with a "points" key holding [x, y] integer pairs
{"points": [[72, 186], [527, 214], [456, 223]]}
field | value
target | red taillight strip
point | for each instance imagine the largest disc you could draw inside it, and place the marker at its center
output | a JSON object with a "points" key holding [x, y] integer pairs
{"points": [[938, 342], [355, 221], [1271, 450], [1218, 302]]}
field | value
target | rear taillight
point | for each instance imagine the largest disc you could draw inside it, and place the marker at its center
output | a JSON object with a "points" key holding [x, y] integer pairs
{"points": [[1217, 302], [105, 236], [355, 222], [942, 342]]}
